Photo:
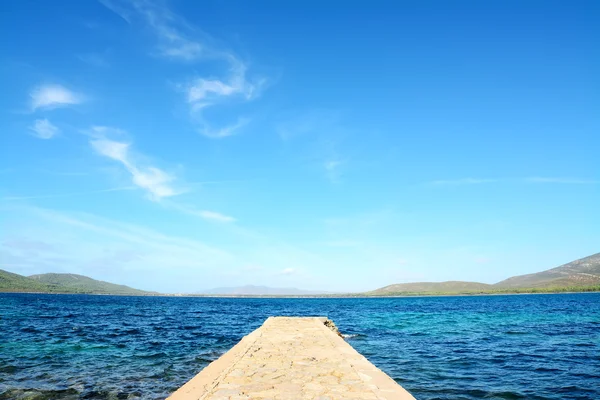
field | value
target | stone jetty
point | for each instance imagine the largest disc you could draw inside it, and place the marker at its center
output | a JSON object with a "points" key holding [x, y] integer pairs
{"points": [[292, 358]]}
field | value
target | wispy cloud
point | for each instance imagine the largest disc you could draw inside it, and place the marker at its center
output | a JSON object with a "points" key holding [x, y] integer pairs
{"points": [[202, 92], [320, 135], [146, 258], [168, 28], [49, 240], [204, 214], [69, 194], [178, 40], [44, 129], [156, 182], [101, 132], [53, 96], [122, 231], [118, 9], [216, 133], [568, 181], [215, 216]]}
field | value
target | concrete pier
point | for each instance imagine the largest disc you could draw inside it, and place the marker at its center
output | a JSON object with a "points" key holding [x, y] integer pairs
{"points": [[295, 359]]}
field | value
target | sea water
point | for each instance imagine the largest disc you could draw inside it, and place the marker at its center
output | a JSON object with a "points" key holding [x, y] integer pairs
{"points": [[478, 347]]}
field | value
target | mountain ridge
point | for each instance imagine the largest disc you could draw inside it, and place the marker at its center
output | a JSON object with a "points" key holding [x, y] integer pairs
{"points": [[581, 273], [82, 283], [62, 283], [446, 286], [11, 282]]}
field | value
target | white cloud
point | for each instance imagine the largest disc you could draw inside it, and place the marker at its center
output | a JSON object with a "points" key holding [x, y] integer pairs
{"points": [[202, 92], [117, 9], [101, 132], [167, 26], [185, 50], [178, 40], [224, 131], [155, 181], [44, 129], [205, 214], [215, 216], [149, 259], [83, 243], [112, 149], [52, 96], [128, 232]]}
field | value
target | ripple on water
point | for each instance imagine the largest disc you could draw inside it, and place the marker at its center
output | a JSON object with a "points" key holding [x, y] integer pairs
{"points": [[485, 347]]}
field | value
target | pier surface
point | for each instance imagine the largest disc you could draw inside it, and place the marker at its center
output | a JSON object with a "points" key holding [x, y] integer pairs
{"points": [[295, 359]]}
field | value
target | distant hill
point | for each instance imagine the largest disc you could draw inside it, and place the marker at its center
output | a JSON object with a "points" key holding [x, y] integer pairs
{"points": [[582, 272], [576, 275], [250, 290], [10, 282], [84, 284], [433, 287], [61, 283], [579, 275]]}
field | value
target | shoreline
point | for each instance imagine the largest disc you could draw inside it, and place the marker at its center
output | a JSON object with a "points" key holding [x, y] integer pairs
{"points": [[332, 296]]}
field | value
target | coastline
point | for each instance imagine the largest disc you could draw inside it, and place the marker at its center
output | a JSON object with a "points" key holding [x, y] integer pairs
{"points": [[316, 296]]}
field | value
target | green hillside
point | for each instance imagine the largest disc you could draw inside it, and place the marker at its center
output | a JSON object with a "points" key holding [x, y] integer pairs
{"points": [[432, 287], [61, 283], [83, 284], [583, 272], [579, 275], [10, 282]]}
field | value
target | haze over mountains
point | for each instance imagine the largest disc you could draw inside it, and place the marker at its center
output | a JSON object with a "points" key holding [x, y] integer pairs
{"points": [[259, 290], [578, 274]]}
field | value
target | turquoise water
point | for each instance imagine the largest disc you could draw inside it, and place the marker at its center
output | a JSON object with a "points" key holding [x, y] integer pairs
{"points": [[485, 347]]}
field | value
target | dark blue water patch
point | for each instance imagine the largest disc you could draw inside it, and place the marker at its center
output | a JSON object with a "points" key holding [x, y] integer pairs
{"points": [[484, 347]]}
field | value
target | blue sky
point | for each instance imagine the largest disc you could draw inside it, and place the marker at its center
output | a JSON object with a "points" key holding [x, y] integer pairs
{"points": [[178, 146]]}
